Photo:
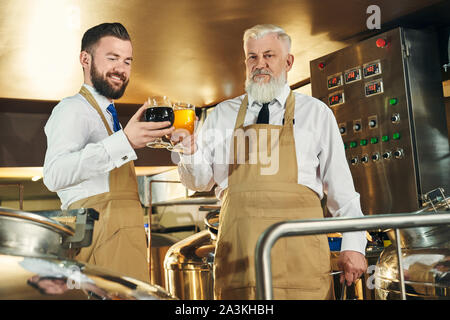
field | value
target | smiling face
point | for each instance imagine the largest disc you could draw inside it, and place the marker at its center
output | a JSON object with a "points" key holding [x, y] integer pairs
{"points": [[108, 68], [267, 58]]}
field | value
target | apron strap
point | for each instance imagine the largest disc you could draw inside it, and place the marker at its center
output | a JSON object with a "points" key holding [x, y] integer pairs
{"points": [[88, 96], [288, 113], [290, 108], [241, 114]]}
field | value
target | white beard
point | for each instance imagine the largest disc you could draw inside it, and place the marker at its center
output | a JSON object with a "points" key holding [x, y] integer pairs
{"points": [[265, 92]]}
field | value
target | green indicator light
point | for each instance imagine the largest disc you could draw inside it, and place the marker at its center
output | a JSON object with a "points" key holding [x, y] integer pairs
{"points": [[373, 140], [345, 146], [385, 138], [363, 142], [396, 136], [353, 144], [393, 101]]}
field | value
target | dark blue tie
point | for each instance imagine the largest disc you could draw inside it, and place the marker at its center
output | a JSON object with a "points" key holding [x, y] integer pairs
{"points": [[263, 116], [113, 112]]}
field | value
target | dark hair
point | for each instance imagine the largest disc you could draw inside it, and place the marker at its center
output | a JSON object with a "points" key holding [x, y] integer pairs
{"points": [[94, 34]]}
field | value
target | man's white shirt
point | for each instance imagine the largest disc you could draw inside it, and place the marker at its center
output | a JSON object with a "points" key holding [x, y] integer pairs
{"points": [[322, 165], [80, 153]]}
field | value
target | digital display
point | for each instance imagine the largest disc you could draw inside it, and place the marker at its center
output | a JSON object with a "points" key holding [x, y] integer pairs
{"points": [[372, 69], [352, 75], [334, 81], [336, 99], [374, 87]]}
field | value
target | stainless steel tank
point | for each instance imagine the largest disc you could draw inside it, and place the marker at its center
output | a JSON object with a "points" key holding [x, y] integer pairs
{"points": [[35, 263], [426, 237], [426, 271], [160, 244], [189, 264], [425, 259]]}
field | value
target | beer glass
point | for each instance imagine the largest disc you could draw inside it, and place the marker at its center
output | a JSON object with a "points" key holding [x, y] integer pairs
{"points": [[184, 123], [159, 110]]}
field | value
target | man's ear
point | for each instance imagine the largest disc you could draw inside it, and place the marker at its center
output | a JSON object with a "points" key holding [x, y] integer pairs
{"points": [[289, 62], [85, 59]]}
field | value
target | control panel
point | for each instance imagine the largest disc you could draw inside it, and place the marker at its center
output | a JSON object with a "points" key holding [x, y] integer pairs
{"points": [[380, 97]]}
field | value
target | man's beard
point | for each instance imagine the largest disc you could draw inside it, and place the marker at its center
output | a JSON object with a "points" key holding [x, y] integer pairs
{"points": [[102, 86], [265, 92]]}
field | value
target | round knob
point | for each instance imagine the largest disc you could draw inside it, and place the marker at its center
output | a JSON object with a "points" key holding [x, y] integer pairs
{"points": [[357, 126], [372, 123], [364, 159], [375, 157], [395, 118], [354, 160], [342, 130], [398, 153], [387, 155]]}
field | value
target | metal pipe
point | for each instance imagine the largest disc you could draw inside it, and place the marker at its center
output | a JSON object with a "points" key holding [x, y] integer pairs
{"points": [[149, 232], [400, 264], [301, 83], [329, 225]]}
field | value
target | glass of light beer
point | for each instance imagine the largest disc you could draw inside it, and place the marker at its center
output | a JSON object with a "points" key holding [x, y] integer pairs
{"points": [[160, 109], [184, 123]]}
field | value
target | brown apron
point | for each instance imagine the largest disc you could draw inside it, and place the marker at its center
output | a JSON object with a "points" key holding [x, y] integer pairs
{"points": [[253, 202], [119, 241]]}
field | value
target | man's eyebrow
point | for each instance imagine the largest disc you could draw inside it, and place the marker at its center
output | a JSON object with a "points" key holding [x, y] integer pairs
{"points": [[267, 51], [118, 56]]}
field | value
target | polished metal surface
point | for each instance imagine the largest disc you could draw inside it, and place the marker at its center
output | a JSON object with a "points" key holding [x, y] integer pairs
{"points": [[329, 225], [188, 267], [27, 234], [45, 233], [426, 272], [34, 264], [31, 278], [188, 50], [396, 138], [425, 237], [160, 244]]}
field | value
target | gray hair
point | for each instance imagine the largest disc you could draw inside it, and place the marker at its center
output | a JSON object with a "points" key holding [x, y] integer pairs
{"points": [[260, 30]]}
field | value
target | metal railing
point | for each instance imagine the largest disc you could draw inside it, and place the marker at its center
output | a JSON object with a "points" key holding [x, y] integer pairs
{"points": [[329, 225]]}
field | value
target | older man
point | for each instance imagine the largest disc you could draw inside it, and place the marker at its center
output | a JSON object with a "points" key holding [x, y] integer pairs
{"points": [[283, 152]]}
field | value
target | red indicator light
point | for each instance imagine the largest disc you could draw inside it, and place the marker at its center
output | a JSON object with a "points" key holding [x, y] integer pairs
{"points": [[381, 43], [321, 65]]}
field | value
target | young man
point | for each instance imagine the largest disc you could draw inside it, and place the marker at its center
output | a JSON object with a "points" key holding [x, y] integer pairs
{"points": [[306, 160], [89, 158]]}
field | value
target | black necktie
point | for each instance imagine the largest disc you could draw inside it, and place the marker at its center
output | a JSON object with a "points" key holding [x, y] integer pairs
{"points": [[263, 116]]}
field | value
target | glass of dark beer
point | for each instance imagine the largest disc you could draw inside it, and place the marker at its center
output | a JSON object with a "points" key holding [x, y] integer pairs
{"points": [[159, 110]]}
